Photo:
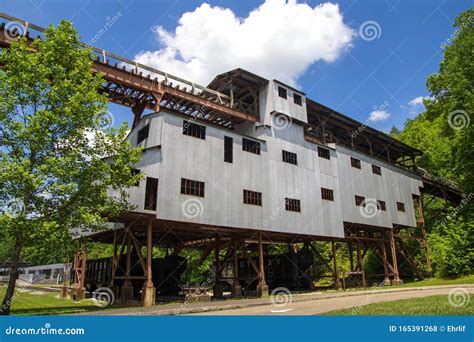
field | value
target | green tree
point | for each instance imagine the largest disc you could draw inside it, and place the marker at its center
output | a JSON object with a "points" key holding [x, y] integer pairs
{"points": [[445, 133], [57, 170]]}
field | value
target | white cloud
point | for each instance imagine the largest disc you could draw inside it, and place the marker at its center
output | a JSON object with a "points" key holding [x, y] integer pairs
{"points": [[379, 115], [279, 39], [417, 101]]}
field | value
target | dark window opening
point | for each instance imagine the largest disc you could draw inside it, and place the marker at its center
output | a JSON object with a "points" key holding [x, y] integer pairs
{"points": [[194, 130], [355, 163], [228, 149], [293, 204], [151, 193], [360, 201], [282, 92], [191, 187], [401, 206], [298, 99], [327, 194], [252, 197], [250, 146], [381, 205], [143, 134], [136, 172], [376, 170], [289, 157], [324, 153]]}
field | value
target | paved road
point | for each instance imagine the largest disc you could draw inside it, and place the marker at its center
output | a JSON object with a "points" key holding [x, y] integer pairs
{"points": [[318, 306]]}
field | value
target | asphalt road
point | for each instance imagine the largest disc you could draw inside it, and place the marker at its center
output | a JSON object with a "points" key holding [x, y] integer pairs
{"points": [[318, 306]]}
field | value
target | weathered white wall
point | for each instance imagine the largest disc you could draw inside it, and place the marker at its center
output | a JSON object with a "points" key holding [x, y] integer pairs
{"points": [[182, 156]]}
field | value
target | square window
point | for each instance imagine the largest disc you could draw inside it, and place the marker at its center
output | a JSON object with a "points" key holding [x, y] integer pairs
{"points": [[289, 157], [323, 153], [327, 194], [292, 204], [376, 170], [194, 130], [401, 206], [355, 163], [381, 205], [360, 201], [252, 197], [250, 146]]}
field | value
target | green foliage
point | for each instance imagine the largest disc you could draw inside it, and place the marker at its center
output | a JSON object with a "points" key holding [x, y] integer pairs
{"points": [[445, 133], [57, 169]]}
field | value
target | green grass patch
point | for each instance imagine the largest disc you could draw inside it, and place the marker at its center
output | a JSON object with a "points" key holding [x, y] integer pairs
{"points": [[46, 303], [431, 305], [436, 281]]}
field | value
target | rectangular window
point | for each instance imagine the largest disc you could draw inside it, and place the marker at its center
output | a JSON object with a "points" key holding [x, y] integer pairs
{"points": [[191, 187], [194, 130], [298, 99], [327, 194], [381, 205], [323, 153], [289, 157], [143, 134], [151, 193], [401, 206], [293, 204], [282, 92], [252, 197], [360, 201], [228, 147], [250, 146], [376, 170], [355, 163], [134, 173]]}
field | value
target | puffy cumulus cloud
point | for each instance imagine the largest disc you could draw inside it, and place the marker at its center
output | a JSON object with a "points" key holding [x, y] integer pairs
{"points": [[279, 39], [379, 115], [417, 101]]}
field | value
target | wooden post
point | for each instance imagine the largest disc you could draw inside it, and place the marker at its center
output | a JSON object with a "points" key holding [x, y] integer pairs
{"points": [[218, 290], [126, 292], [236, 288], [149, 290], [386, 280], [262, 287], [396, 277], [337, 283], [359, 262], [423, 233], [351, 256]]}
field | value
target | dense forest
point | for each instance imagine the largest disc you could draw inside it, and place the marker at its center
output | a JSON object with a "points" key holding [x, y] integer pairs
{"points": [[444, 132]]}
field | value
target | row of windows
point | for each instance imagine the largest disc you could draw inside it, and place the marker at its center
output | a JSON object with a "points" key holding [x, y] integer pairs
{"points": [[381, 205], [283, 93], [375, 168], [196, 188]]}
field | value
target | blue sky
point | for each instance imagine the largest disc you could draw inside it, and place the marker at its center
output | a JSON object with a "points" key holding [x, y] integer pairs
{"points": [[382, 74]]}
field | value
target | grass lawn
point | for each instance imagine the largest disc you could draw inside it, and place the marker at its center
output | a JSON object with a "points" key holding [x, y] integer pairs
{"points": [[435, 281], [33, 303], [431, 305]]}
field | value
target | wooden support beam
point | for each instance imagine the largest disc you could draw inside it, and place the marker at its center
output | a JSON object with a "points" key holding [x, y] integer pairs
{"points": [[337, 283], [396, 277]]}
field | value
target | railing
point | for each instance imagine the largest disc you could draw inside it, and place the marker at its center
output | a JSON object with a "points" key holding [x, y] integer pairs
{"points": [[106, 57]]}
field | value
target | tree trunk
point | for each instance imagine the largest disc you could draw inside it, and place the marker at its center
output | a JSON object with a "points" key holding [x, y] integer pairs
{"points": [[15, 268]]}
